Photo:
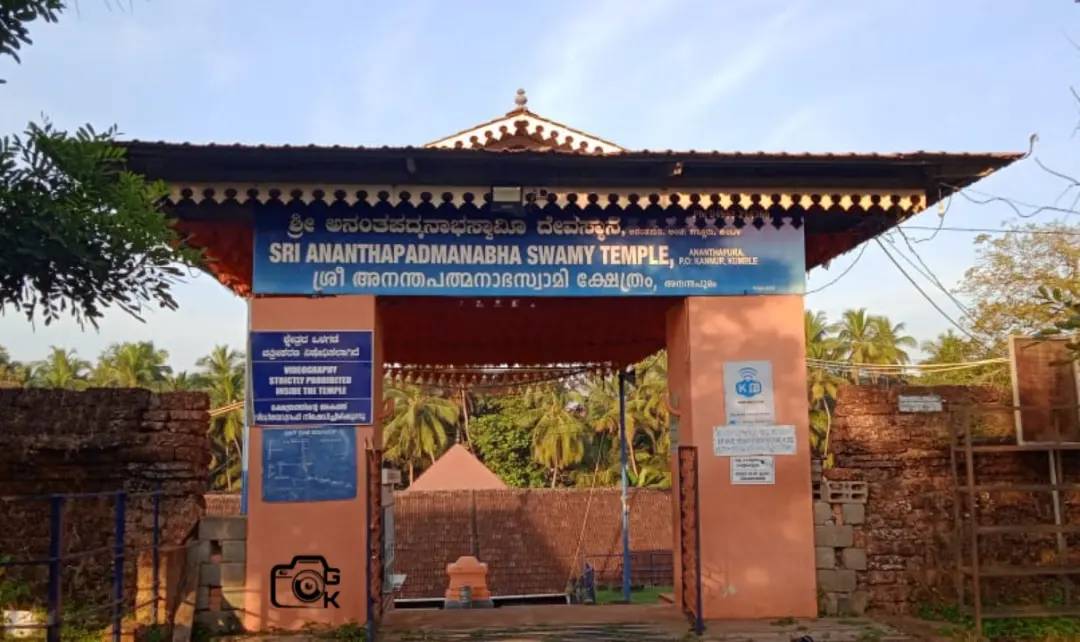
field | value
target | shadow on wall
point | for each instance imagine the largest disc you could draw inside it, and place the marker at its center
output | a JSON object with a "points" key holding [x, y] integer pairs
{"points": [[528, 537]]}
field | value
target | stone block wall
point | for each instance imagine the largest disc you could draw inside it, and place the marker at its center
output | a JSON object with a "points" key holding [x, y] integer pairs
{"points": [[98, 440], [839, 514], [222, 555]]}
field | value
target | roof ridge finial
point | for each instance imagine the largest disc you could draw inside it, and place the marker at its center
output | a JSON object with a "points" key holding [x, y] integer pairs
{"points": [[521, 100]]}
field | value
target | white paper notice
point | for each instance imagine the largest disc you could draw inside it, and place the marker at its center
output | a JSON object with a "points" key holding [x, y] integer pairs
{"points": [[753, 470], [919, 403], [734, 441], [748, 392]]}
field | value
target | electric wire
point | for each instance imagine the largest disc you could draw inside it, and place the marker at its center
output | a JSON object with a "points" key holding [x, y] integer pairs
{"points": [[988, 230], [929, 274], [927, 296], [842, 274]]}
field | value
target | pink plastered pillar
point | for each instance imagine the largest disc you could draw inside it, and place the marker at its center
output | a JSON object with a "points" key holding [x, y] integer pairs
{"points": [[757, 541], [277, 532]]}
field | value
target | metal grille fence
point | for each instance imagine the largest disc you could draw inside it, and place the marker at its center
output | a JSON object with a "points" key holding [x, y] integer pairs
{"points": [[66, 563]]}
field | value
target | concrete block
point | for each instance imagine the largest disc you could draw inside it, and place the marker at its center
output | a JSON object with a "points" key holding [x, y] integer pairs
{"points": [[232, 574], [827, 604], [219, 621], [846, 492], [822, 512], [232, 598], [233, 551], [201, 550], [836, 581], [222, 528], [209, 574], [825, 557], [860, 600], [853, 513], [833, 536], [854, 558]]}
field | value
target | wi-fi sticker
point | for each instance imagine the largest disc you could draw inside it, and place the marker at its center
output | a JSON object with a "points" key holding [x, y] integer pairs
{"points": [[747, 372]]}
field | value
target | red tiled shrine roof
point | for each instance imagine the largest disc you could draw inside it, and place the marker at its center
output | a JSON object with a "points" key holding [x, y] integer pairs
{"points": [[458, 469]]}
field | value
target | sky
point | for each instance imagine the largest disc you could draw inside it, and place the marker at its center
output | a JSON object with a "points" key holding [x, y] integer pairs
{"points": [[841, 76]]}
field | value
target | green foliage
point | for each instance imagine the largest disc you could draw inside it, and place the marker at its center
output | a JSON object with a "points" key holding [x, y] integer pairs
{"points": [[61, 369], [13, 593], [952, 348], [869, 339], [858, 339], [12, 373], [14, 16], [640, 595], [503, 444], [1051, 628], [80, 233], [1064, 309], [350, 632], [221, 375], [417, 431], [132, 365], [558, 430], [1001, 282]]}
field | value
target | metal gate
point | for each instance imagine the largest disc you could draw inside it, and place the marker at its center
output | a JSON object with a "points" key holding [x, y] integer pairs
{"points": [[374, 540], [690, 537]]}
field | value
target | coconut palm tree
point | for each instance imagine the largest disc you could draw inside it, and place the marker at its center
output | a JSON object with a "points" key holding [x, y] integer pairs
{"points": [[61, 369], [891, 341], [858, 340], [559, 433], [221, 374], [132, 365], [822, 382], [182, 381], [648, 400], [601, 402], [418, 427]]}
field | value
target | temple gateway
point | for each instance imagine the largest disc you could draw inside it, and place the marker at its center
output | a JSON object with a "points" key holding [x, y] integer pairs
{"points": [[496, 256]]}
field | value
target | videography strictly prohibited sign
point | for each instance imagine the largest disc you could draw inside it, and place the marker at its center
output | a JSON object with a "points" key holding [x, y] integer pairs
{"points": [[312, 377]]}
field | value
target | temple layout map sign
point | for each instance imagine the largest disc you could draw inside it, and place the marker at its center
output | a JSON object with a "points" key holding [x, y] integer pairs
{"points": [[308, 464]]}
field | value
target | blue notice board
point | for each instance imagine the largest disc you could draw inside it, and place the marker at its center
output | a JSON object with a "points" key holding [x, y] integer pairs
{"points": [[706, 253], [308, 464], [312, 377]]}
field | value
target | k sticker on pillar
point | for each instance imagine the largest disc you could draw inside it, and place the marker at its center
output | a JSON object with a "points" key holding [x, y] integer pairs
{"points": [[748, 392]]}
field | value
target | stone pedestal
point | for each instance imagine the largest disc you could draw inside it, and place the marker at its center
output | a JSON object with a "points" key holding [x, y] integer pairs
{"points": [[468, 584]]}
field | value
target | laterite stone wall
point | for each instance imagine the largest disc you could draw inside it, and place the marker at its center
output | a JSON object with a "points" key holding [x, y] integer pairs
{"points": [[57, 441], [895, 549], [529, 537]]}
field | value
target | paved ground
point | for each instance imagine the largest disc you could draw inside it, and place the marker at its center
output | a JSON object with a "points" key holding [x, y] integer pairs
{"points": [[633, 623]]}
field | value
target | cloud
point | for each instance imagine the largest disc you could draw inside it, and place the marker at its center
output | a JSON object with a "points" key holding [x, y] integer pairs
{"points": [[379, 88], [574, 58]]}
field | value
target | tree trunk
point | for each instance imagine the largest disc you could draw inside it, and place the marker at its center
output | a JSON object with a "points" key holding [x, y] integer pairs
{"points": [[410, 473], [465, 413], [630, 451]]}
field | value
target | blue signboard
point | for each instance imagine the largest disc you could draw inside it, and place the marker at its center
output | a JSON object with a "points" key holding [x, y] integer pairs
{"points": [[308, 464], [487, 255], [311, 377]]}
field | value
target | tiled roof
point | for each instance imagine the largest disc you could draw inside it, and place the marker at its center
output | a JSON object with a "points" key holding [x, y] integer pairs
{"points": [[521, 129], [458, 469], [917, 155]]}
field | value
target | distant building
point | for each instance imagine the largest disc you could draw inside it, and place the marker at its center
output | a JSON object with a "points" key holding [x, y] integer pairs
{"points": [[458, 469]]}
